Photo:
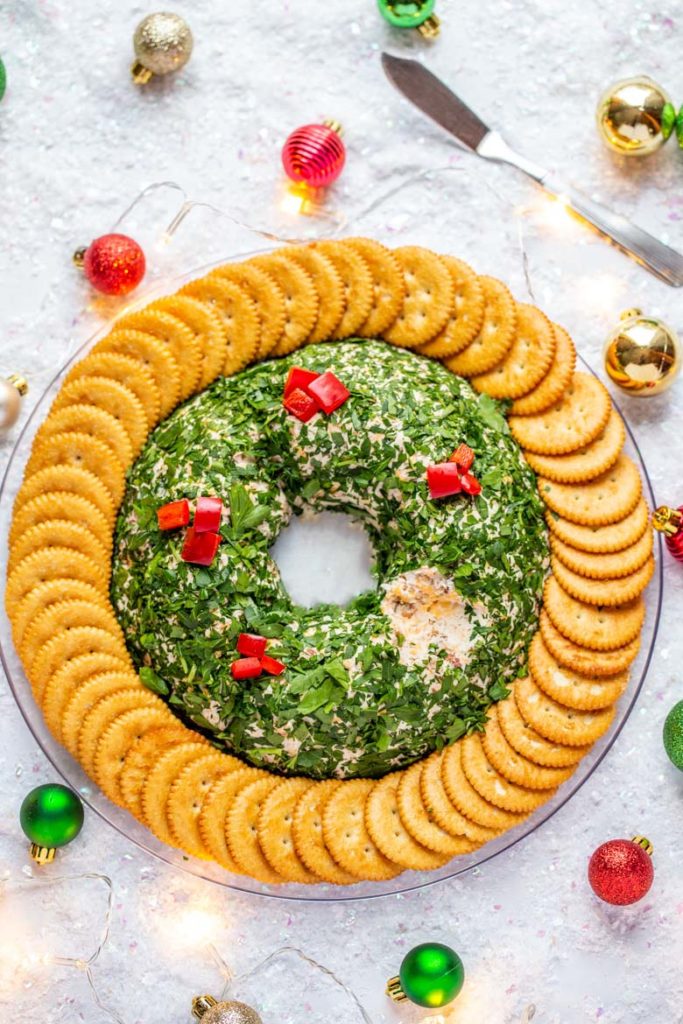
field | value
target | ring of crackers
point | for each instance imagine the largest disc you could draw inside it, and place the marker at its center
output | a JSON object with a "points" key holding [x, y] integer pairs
{"points": [[208, 803]]}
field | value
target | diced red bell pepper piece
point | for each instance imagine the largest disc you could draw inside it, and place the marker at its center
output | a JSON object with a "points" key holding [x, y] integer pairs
{"points": [[329, 392], [272, 666], [251, 645], [200, 548], [207, 515], [299, 378], [246, 668], [301, 405], [444, 480], [174, 515], [470, 484], [463, 457]]}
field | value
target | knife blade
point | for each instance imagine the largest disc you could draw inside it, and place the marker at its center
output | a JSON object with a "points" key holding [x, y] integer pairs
{"points": [[430, 95]]}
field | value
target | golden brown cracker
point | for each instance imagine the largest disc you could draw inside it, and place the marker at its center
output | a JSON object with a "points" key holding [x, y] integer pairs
{"points": [[49, 564], [465, 797], [531, 744], [346, 835], [160, 778], [61, 505], [389, 834], [82, 452], [204, 322], [357, 284], [588, 462], [603, 567], [65, 615], [583, 659], [527, 360], [58, 533], [441, 808], [187, 795], [44, 596], [114, 398], [242, 829], [555, 382], [419, 822], [301, 299], [388, 285], [603, 592], [84, 697], [241, 337], [604, 629], [214, 815], [70, 677], [89, 419], [67, 644], [493, 787], [307, 833], [178, 338], [116, 742], [569, 687], [126, 370], [70, 480], [142, 757], [574, 421], [606, 499], [267, 296], [275, 825], [602, 539], [556, 722], [514, 766], [329, 286], [467, 317], [154, 356], [496, 334], [429, 298]]}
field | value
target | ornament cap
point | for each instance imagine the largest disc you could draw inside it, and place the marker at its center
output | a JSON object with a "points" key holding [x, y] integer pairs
{"points": [[334, 125], [430, 27], [139, 73], [78, 257], [19, 382], [629, 314], [395, 991], [200, 1004], [42, 854], [667, 520], [644, 844]]}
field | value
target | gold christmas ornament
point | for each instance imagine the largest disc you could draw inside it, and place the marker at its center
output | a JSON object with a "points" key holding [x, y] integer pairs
{"points": [[635, 116], [163, 43], [209, 1011], [12, 390], [642, 355]]}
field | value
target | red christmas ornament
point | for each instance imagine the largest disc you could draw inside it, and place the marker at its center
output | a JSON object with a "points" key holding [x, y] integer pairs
{"points": [[620, 871], [314, 154], [669, 521], [114, 264]]}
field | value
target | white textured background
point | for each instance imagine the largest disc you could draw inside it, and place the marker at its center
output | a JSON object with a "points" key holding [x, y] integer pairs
{"points": [[77, 143]]}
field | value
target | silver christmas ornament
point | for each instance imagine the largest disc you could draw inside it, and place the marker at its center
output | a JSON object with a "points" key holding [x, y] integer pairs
{"points": [[209, 1011], [12, 390]]}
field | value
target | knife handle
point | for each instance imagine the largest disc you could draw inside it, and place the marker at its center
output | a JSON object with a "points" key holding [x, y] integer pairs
{"points": [[664, 262]]}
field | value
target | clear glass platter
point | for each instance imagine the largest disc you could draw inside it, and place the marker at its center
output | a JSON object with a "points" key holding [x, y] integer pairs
{"points": [[401, 229]]}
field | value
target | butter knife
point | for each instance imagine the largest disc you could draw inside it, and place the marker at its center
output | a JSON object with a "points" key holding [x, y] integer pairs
{"points": [[435, 99]]}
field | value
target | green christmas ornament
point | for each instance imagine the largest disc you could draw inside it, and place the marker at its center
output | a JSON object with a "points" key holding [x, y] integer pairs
{"points": [[673, 735], [51, 816], [3, 79], [430, 975], [678, 127], [417, 14]]}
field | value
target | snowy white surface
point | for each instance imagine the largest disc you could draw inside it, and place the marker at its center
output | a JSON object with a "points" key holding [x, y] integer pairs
{"points": [[77, 143]]}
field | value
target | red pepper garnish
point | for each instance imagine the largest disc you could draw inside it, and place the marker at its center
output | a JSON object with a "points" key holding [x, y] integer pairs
{"points": [[272, 666], [301, 405], [299, 378], [251, 645], [207, 516], [200, 548], [463, 457], [246, 668], [444, 480], [470, 484], [174, 515], [329, 392]]}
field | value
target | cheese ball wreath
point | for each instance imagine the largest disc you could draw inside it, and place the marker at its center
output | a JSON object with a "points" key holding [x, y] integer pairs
{"points": [[449, 752]]}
